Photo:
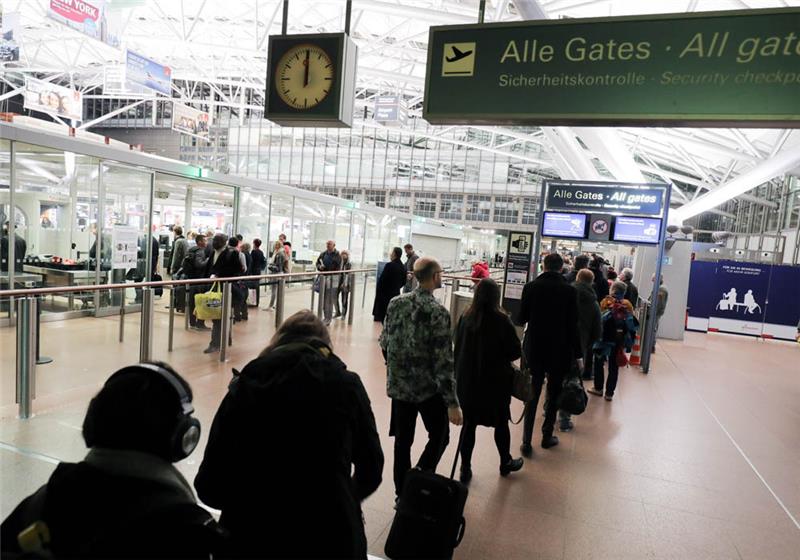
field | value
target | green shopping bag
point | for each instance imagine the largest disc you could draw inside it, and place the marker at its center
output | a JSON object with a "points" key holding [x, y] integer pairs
{"points": [[209, 304]]}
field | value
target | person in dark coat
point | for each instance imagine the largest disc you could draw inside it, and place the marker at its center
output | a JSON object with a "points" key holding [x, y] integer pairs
{"points": [[485, 345], [551, 343], [600, 281], [391, 281], [581, 262], [278, 501], [224, 262], [632, 292], [125, 499], [258, 264]]}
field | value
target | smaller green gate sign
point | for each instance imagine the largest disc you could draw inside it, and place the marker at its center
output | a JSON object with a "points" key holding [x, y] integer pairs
{"points": [[737, 68]]}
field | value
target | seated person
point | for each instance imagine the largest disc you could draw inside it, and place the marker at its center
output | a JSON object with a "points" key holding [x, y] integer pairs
{"points": [[293, 451], [125, 499]]}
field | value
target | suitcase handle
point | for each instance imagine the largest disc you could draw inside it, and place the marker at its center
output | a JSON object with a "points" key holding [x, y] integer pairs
{"points": [[462, 527]]}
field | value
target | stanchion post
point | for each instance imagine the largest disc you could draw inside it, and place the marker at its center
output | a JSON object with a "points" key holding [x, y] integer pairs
{"points": [[122, 315], [321, 301], [171, 334], [40, 360], [26, 354], [352, 299], [146, 326], [279, 304], [226, 321], [187, 306], [312, 295], [454, 289], [364, 290]]}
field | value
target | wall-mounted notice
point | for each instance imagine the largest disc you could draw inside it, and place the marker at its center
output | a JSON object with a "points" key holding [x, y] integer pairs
{"points": [[190, 121], [518, 268], [124, 246], [142, 71], [637, 230], [53, 99], [564, 225]]}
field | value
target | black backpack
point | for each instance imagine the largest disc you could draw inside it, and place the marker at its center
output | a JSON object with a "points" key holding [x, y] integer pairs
{"points": [[187, 264]]}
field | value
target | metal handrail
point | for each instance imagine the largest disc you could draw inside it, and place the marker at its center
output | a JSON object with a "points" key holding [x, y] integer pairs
{"points": [[168, 283]]}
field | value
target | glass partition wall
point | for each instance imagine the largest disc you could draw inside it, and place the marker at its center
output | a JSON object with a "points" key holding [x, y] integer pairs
{"points": [[85, 219]]}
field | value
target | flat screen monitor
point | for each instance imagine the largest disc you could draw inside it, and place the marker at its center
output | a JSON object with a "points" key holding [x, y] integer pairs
{"points": [[564, 225], [637, 230]]}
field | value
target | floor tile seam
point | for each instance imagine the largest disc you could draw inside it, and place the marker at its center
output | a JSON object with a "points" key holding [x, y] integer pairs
{"points": [[736, 445], [30, 453]]}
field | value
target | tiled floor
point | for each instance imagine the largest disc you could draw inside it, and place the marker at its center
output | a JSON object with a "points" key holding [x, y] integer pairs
{"points": [[662, 472]]}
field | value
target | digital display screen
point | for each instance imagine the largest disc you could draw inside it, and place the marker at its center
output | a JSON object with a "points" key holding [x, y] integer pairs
{"points": [[564, 225], [637, 230]]}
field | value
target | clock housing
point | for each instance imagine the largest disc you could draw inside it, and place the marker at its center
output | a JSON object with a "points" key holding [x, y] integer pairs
{"points": [[322, 98]]}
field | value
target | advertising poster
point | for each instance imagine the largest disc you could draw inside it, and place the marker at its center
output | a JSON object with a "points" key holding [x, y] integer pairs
{"points": [[518, 268], [782, 311], [740, 297], [190, 121], [124, 246], [53, 99], [701, 299], [144, 72], [79, 15], [9, 37]]}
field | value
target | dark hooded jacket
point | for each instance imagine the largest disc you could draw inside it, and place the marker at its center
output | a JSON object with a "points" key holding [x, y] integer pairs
{"points": [[293, 426], [117, 504]]}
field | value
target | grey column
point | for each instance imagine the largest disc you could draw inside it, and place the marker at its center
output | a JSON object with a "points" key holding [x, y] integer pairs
{"points": [[26, 354]]}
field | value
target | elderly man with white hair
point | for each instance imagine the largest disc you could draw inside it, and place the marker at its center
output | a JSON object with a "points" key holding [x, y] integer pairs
{"points": [[632, 293], [329, 260]]}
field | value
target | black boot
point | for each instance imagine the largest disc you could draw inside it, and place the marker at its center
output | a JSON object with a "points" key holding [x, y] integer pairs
{"points": [[549, 441], [512, 465]]}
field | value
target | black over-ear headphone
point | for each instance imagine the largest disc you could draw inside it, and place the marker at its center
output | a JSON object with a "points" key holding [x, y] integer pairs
{"points": [[186, 434]]}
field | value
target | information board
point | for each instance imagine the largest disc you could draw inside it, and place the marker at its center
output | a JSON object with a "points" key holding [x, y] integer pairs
{"points": [[639, 200], [632, 229], [564, 225], [517, 268], [737, 68]]}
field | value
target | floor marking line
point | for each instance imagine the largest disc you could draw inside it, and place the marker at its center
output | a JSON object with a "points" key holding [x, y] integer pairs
{"points": [[736, 445], [29, 453]]}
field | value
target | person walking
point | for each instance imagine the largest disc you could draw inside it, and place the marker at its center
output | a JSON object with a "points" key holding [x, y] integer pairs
{"points": [[277, 265], [411, 258], [238, 289], [486, 343], [618, 328], [581, 262], [345, 286], [180, 247], [420, 378], [661, 307], [194, 266], [223, 263], [631, 292], [551, 344], [329, 261], [258, 264], [392, 279], [278, 501]]}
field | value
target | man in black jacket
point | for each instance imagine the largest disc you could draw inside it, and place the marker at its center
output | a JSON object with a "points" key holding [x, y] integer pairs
{"points": [[275, 500], [552, 342], [194, 266], [329, 260], [632, 293], [223, 263], [125, 499]]}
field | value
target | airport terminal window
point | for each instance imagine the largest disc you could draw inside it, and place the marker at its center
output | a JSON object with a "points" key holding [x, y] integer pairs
{"points": [[351, 194], [378, 198], [530, 206], [451, 206], [400, 201], [506, 209], [479, 208], [425, 204]]}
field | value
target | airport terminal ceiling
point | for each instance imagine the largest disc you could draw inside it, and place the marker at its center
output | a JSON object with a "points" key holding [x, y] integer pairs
{"points": [[217, 55]]}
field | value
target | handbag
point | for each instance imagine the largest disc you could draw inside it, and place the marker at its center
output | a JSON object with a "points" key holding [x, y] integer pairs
{"points": [[621, 357], [208, 305], [573, 398], [158, 291], [522, 388]]}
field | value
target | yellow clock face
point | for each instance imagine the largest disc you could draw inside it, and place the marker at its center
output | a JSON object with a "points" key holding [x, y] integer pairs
{"points": [[304, 76]]}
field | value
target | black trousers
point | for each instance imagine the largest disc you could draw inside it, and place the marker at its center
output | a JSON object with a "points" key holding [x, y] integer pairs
{"points": [[502, 440], [555, 379], [403, 427], [599, 373]]}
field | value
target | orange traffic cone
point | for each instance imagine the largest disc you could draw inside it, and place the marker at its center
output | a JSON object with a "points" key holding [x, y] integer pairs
{"points": [[636, 355]]}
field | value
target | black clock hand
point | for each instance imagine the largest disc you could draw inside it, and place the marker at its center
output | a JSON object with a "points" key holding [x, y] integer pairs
{"points": [[305, 76]]}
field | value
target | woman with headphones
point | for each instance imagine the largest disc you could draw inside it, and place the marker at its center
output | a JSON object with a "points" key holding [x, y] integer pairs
{"points": [[125, 499]]}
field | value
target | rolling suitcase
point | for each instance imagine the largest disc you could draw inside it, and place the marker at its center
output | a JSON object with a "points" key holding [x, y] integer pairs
{"points": [[430, 516]]}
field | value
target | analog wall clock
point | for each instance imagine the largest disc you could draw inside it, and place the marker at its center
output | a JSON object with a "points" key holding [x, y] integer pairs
{"points": [[311, 80]]}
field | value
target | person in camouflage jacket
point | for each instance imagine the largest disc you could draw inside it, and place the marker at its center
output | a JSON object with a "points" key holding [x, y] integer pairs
{"points": [[416, 342]]}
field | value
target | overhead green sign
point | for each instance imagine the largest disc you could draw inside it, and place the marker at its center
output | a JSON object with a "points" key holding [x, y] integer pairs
{"points": [[737, 68]]}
